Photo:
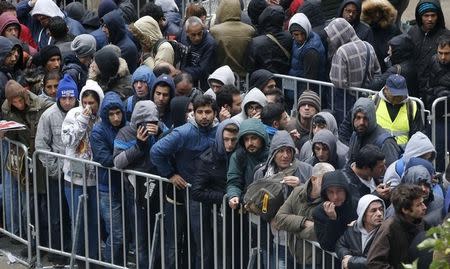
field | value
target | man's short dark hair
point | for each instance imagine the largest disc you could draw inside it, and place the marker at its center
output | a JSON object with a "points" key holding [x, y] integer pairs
{"points": [[225, 96], [152, 10], [403, 196], [272, 112], [6, 6], [232, 128], [204, 100], [368, 156], [279, 97], [443, 41], [57, 27], [182, 77], [161, 69], [318, 119]]}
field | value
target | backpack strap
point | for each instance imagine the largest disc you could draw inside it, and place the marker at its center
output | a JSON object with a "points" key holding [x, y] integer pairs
{"points": [[157, 44], [271, 37]]}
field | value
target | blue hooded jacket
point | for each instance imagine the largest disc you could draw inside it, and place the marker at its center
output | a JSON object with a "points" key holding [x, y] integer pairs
{"points": [[142, 73], [118, 36], [167, 80], [102, 142]]}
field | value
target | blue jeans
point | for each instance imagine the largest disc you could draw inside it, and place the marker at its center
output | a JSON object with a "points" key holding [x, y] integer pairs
{"points": [[111, 214], [282, 260], [207, 257], [170, 220], [92, 220], [10, 195]]}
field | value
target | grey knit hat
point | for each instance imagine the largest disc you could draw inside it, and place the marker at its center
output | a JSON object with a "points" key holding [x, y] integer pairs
{"points": [[84, 45], [311, 98]]}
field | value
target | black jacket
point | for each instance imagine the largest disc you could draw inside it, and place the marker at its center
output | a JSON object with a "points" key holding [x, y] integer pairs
{"points": [[438, 83], [363, 30], [262, 52], [328, 231], [77, 70], [425, 44], [350, 244], [401, 62]]}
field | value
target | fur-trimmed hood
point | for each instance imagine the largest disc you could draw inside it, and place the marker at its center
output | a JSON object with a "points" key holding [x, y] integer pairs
{"points": [[371, 7]]}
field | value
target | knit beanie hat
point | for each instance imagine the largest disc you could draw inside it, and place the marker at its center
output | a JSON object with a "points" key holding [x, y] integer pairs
{"points": [[427, 7], [105, 7], [107, 62], [14, 89], [84, 45], [48, 52], [67, 88], [310, 98]]}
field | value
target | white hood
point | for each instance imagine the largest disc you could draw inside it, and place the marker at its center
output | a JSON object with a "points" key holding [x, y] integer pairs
{"points": [[47, 8]]}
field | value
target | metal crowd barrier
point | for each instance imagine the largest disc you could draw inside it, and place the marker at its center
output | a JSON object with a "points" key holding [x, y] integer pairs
{"points": [[439, 126], [327, 89], [162, 232], [15, 202]]}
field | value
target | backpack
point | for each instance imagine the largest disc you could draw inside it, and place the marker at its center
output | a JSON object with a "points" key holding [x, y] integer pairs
{"points": [[265, 196], [180, 50]]}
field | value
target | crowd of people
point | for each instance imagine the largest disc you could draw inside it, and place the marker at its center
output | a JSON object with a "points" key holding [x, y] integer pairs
{"points": [[165, 94]]}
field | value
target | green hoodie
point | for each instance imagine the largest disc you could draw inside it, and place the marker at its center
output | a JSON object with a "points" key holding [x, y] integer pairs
{"points": [[243, 163]]}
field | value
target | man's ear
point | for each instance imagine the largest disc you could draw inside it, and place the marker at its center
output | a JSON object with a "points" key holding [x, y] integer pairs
{"points": [[276, 124]]}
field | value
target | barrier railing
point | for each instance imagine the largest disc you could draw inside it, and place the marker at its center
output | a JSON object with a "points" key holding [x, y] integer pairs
{"points": [[151, 225], [328, 90], [439, 126], [15, 205]]}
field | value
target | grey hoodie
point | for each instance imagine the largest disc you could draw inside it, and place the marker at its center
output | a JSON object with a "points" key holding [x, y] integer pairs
{"points": [[254, 95], [341, 148], [417, 145], [328, 138], [223, 74], [363, 204]]}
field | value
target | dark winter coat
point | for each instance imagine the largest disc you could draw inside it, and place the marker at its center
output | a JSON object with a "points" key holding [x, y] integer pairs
{"points": [[119, 37], [363, 31], [7, 73], [77, 70], [262, 52]]}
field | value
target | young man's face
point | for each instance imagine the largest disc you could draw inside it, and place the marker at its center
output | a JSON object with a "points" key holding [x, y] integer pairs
{"points": [[443, 54], [11, 31], [54, 63], [316, 127], [115, 117], [378, 170], [19, 103], [51, 86], [90, 101], [67, 103], [43, 20], [204, 116], [374, 214], [161, 96], [229, 140], [283, 121], [321, 152], [361, 123], [141, 88], [252, 109], [11, 58], [216, 86], [336, 195], [350, 13], [252, 143], [283, 157], [299, 37], [417, 211], [271, 84], [307, 111], [236, 107], [426, 190], [429, 20]]}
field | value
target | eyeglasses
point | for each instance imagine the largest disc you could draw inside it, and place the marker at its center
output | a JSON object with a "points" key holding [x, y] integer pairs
{"points": [[350, 11], [254, 107]]}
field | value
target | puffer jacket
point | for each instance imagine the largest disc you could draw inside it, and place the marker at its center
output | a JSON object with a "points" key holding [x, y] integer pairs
{"points": [[118, 36], [232, 36], [75, 132], [262, 52]]}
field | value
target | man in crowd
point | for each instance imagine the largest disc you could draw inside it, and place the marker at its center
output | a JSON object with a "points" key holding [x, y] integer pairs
{"points": [[229, 102], [252, 105], [181, 145], [274, 118], [337, 210], [324, 149], [184, 86], [354, 244], [391, 243], [308, 105], [367, 131]]}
